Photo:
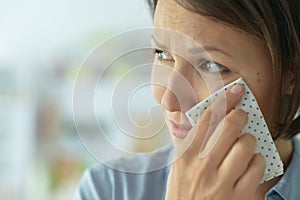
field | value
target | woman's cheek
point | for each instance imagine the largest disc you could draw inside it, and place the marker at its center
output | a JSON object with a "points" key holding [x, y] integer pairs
{"points": [[264, 95]]}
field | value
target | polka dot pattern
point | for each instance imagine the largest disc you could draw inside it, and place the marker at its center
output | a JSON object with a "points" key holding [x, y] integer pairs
{"points": [[256, 126]]}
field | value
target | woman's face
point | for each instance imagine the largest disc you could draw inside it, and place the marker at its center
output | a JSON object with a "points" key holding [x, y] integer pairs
{"points": [[229, 54]]}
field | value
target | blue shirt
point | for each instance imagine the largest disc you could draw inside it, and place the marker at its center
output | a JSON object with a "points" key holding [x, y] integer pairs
{"points": [[105, 183]]}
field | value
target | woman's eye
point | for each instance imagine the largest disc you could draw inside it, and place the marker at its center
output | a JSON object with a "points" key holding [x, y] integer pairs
{"points": [[163, 55], [211, 66]]}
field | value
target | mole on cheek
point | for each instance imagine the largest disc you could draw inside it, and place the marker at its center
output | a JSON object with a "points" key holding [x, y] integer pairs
{"points": [[258, 79]]}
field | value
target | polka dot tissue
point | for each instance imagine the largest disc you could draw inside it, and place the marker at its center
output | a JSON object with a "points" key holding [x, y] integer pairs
{"points": [[256, 126]]}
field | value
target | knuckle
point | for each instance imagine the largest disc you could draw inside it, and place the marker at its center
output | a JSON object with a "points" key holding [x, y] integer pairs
{"points": [[239, 115], [231, 123], [211, 118], [261, 162], [247, 144], [228, 128], [246, 151], [211, 194], [258, 169], [231, 99], [210, 160], [235, 120], [250, 139]]}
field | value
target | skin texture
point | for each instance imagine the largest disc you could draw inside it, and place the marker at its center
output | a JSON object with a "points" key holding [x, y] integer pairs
{"points": [[231, 169]]}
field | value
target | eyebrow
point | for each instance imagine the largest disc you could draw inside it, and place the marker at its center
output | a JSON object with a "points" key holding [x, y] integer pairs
{"points": [[193, 50]]}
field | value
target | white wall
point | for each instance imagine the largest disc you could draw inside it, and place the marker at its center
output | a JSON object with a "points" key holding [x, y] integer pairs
{"points": [[32, 32], [33, 28]]}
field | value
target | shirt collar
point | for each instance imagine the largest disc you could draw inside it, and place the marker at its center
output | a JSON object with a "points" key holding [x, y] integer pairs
{"points": [[287, 187]]}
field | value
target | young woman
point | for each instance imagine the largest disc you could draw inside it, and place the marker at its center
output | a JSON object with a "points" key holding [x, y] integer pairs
{"points": [[253, 39]]}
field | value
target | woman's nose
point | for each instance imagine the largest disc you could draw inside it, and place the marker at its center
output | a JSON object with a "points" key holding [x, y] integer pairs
{"points": [[179, 94]]}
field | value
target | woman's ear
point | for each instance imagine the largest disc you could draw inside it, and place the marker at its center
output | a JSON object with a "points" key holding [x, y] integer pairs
{"points": [[290, 83]]}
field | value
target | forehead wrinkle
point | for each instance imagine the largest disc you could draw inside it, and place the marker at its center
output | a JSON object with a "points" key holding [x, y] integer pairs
{"points": [[166, 19], [170, 21], [177, 21]]}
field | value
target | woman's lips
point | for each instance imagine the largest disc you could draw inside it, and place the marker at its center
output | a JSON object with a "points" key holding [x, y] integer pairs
{"points": [[179, 130], [178, 123]]}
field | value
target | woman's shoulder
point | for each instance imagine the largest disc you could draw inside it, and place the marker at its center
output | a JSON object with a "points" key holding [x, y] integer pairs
{"points": [[296, 151], [144, 162], [296, 145], [127, 176], [288, 186]]}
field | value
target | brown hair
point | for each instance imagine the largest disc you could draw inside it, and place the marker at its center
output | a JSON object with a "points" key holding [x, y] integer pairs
{"points": [[277, 23]]}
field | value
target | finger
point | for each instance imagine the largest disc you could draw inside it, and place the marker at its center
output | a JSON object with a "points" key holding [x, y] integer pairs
{"points": [[202, 131], [225, 135], [238, 158], [250, 180]]}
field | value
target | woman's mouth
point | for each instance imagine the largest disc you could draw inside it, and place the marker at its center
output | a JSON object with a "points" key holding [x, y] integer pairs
{"points": [[179, 130]]}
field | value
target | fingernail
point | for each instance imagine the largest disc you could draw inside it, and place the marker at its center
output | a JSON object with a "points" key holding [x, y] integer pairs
{"points": [[237, 89]]}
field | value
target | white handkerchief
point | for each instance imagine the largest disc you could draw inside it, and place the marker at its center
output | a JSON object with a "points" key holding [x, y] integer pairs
{"points": [[256, 126]]}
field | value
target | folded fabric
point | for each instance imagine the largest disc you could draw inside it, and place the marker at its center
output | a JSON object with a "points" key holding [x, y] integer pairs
{"points": [[256, 126]]}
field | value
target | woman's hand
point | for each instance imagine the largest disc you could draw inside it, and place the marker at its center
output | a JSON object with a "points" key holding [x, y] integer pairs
{"points": [[227, 167]]}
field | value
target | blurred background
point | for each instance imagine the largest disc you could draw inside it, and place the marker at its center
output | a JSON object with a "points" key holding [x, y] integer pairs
{"points": [[43, 44]]}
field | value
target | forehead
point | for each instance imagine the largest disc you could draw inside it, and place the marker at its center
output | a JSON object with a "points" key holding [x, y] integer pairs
{"points": [[170, 15], [206, 32]]}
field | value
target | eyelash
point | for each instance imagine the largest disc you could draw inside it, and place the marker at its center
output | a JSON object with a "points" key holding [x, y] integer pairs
{"points": [[202, 66], [160, 56], [205, 64]]}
